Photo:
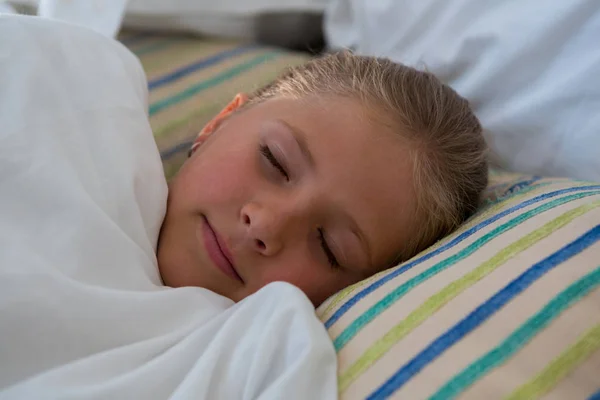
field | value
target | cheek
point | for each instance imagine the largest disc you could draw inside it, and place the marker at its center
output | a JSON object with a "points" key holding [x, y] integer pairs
{"points": [[317, 281], [219, 180]]}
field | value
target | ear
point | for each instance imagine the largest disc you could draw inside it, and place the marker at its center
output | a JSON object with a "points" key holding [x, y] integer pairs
{"points": [[238, 101]]}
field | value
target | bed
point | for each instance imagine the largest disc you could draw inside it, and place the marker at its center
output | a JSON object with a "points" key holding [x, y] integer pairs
{"points": [[508, 306]]}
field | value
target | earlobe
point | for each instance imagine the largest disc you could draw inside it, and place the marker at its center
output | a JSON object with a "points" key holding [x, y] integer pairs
{"points": [[238, 101]]}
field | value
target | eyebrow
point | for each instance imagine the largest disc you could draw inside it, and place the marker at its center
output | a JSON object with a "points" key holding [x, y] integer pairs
{"points": [[300, 138]]}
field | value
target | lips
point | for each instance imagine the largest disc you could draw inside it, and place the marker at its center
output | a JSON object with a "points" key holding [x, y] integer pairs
{"points": [[217, 251]]}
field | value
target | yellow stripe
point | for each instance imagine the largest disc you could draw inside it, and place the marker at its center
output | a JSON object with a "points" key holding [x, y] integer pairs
{"points": [[560, 367]]}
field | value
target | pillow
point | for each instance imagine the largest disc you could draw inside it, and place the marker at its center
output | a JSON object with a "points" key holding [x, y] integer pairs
{"points": [[529, 68], [506, 307]]}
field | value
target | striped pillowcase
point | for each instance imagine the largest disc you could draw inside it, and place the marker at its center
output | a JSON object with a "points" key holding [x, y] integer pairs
{"points": [[506, 307]]}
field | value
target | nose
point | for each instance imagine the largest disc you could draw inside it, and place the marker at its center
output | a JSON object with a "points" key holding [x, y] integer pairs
{"points": [[267, 227]]}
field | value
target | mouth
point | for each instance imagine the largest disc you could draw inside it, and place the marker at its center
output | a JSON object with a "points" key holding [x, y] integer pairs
{"points": [[217, 251]]}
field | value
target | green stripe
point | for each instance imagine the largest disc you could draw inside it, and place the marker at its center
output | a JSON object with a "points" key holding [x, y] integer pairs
{"points": [[520, 337], [382, 345], [150, 48], [210, 110], [214, 81], [476, 219], [176, 123], [559, 367]]}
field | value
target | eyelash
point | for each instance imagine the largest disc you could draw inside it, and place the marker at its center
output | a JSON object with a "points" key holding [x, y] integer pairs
{"points": [[266, 152], [333, 262]]}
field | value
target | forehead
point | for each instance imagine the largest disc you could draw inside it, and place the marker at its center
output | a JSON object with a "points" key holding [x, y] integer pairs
{"points": [[360, 166]]}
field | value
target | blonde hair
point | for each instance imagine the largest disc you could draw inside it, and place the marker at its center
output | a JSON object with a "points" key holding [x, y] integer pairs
{"points": [[449, 152]]}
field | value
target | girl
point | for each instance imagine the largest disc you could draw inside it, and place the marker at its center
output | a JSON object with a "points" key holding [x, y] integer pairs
{"points": [[341, 168]]}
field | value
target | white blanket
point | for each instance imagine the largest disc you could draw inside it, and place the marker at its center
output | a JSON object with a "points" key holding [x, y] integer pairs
{"points": [[83, 313]]}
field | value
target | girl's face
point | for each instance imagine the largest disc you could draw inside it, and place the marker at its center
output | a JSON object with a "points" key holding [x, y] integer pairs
{"points": [[305, 191]]}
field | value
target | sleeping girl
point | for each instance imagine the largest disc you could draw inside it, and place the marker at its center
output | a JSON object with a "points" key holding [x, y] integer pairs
{"points": [[339, 169], [112, 286]]}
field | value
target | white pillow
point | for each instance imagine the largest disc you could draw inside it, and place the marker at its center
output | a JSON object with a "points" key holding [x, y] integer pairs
{"points": [[530, 68]]}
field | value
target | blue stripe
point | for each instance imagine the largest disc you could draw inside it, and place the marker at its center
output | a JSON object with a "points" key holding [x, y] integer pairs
{"points": [[170, 152], [372, 287], [198, 65], [482, 313], [520, 185], [494, 188], [595, 396]]}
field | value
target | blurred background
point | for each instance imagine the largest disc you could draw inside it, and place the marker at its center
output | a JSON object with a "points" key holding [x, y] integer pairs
{"points": [[292, 24]]}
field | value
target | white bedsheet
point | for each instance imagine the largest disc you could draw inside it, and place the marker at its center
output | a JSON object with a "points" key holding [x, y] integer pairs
{"points": [[83, 313]]}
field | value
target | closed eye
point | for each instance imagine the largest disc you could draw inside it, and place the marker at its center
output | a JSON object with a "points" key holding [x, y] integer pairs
{"points": [[268, 154], [333, 262]]}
